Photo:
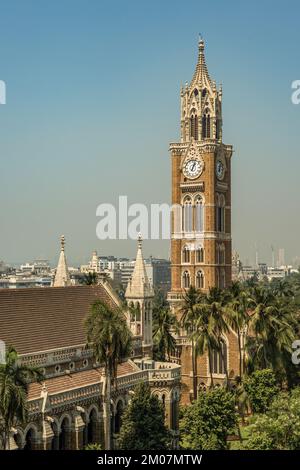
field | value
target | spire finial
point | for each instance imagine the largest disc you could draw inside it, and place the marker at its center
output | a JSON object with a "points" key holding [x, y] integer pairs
{"points": [[140, 240], [62, 242], [201, 43]]}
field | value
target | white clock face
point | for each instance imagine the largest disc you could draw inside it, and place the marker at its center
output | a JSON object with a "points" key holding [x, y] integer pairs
{"points": [[193, 168], [220, 169]]}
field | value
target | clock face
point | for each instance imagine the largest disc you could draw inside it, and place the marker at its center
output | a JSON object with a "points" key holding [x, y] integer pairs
{"points": [[193, 168], [220, 169]]}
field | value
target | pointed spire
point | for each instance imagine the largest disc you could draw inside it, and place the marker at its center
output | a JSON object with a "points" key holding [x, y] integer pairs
{"points": [[201, 73], [139, 285], [62, 277]]}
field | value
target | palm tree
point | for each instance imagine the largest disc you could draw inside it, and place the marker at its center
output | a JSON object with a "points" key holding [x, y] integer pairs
{"points": [[237, 317], [14, 381], [188, 319], [217, 300], [110, 338], [271, 324], [90, 278], [204, 336], [164, 325]]}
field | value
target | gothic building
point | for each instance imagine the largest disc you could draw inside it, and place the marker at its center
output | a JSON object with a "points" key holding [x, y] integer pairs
{"points": [[201, 227], [46, 327]]}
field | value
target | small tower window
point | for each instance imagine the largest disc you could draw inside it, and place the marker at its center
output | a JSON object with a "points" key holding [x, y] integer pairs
{"points": [[199, 255], [194, 126], [206, 125], [187, 215], [200, 280], [199, 214], [186, 255], [186, 280]]}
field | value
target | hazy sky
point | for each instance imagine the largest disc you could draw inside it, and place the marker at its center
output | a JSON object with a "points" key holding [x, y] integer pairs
{"points": [[93, 102]]}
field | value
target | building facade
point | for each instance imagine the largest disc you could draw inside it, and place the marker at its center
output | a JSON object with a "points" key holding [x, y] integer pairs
{"points": [[47, 328], [201, 253]]}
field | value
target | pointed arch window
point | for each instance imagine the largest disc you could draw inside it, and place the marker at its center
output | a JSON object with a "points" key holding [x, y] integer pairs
{"points": [[199, 219], [199, 280], [206, 124], [186, 255], [220, 213], [222, 279], [218, 360], [199, 254], [194, 125], [186, 280], [187, 214]]}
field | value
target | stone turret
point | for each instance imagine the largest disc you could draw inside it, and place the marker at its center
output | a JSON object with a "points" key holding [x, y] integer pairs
{"points": [[62, 277], [139, 295]]}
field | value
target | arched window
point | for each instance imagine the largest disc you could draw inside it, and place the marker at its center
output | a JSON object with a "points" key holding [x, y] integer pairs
{"points": [[186, 255], [218, 360], [220, 213], [200, 280], [222, 254], [222, 279], [206, 124], [187, 214], [194, 124], [186, 280], [217, 129], [199, 219], [118, 416], [217, 278], [199, 254]]}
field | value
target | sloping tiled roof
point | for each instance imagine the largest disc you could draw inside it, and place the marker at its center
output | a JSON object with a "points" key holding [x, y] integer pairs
{"points": [[39, 319], [75, 380]]}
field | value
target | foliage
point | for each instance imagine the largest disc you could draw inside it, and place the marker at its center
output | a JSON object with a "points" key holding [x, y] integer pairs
{"points": [[109, 335], [261, 389], [143, 423], [93, 446], [14, 380], [279, 428], [164, 326], [207, 422], [90, 278]]}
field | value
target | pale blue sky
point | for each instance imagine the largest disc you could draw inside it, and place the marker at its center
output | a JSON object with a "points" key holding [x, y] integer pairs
{"points": [[93, 102]]}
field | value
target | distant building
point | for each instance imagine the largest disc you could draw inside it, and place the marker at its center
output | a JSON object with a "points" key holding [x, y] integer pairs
{"points": [[281, 257]]}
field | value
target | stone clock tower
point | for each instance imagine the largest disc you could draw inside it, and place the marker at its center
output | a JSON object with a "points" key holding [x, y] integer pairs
{"points": [[201, 187], [201, 191]]}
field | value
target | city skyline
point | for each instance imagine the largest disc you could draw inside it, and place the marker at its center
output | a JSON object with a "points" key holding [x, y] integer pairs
{"points": [[71, 136]]}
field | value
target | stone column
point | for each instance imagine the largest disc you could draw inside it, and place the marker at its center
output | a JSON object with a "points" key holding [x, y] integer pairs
{"points": [[77, 432]]}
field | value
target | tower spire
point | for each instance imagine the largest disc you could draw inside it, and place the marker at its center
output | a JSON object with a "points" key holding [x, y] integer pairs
{"points": [[139, 285], [62, 277], [201, 73]]}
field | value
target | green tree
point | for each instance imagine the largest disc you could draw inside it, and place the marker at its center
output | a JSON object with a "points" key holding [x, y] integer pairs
{"points": [[279, 428], [164, 325], [261, 389], [143, 423], [110, 338], [204, 336], [207, 422], [90, 279], [217, 300], [271, 329], [188, 317], [237, 317], [14, 380], [94, 446]]}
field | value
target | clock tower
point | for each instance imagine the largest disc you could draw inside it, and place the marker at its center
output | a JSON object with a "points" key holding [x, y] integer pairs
{"points": [[201, 192]]}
